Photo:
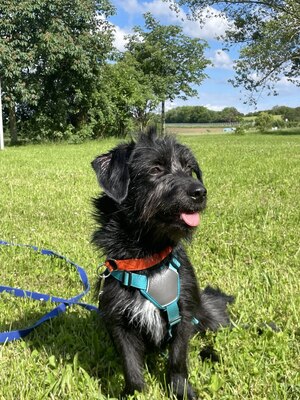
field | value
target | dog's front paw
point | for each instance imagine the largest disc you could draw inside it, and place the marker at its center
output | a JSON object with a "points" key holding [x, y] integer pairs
{"points": [[181, 388], [132, 388]]}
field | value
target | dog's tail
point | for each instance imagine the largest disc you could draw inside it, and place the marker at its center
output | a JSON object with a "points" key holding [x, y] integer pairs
{"points": [[213, 312]]}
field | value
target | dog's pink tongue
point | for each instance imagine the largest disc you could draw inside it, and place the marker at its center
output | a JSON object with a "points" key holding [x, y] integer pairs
{"points": [[191, 219]]}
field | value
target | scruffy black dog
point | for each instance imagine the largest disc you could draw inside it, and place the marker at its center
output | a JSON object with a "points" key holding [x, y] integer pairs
{"points": [[153, 197]]}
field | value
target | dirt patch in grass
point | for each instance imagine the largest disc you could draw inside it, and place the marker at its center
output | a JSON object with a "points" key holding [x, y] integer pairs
{"points": [[197, 130]]}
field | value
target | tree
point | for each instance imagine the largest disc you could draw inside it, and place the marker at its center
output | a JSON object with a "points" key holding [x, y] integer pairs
{"points": [[172, 60], [230, 114], [51, 54], [130, 94], [200, 114], [264, 121], [269, 32], [287, 113]]}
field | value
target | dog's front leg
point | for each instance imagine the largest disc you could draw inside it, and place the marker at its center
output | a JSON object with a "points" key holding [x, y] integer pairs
{"points": [[178, 371], [131, 348]]}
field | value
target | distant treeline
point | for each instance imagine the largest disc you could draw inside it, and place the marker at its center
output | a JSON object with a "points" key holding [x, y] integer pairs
{"points": [[289, 113], [201, 114]]}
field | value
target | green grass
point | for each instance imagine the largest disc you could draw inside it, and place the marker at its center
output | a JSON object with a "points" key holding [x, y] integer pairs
{"points": [[253, 118], [247, 244]]}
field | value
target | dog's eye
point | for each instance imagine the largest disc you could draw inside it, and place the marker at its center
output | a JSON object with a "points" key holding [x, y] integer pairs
{"points": [[157, 170], [191, 172]]}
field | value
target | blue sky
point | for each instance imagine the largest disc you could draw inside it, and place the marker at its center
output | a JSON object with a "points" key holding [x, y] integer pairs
{"points": [[215, 92]]}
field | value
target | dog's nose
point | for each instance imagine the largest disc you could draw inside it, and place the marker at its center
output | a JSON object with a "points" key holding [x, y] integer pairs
{"points": [[198, 193]]}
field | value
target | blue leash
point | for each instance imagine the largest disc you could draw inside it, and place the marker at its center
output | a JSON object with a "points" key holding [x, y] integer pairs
{"points": [[64, 303]]}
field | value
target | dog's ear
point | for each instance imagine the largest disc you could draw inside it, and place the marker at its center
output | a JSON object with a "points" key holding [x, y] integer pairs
{"points": [[151, 132], [112, 171]]}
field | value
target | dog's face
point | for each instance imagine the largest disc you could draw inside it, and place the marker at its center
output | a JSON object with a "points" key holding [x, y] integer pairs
{"points": [[157, 182]]}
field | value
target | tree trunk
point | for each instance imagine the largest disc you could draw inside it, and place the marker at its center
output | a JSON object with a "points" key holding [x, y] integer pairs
{"points": [[1, 122], [163, 118], [13, 124]]}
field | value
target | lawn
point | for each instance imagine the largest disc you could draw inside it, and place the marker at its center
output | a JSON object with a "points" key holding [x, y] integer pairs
{"points": [[199, 129], [247, 244], [195, 129]]}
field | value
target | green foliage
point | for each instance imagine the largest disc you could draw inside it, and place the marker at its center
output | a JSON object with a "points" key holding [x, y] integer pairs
{"points": [[51, 56], [230, 114], [246, 244], [131, 95], [287, 113], [264, 122], [173, 60], [269, 32], [58, 84], [170, 60], [284, 117], [200, 114], [190, 114], [242, 128]]}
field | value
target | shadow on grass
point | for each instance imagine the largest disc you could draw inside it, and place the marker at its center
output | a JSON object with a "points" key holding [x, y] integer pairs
{"points": [[76, 336], [283, 132], [84, 338]]}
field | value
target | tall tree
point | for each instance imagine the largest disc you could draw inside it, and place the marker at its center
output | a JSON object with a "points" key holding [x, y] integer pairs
{"points": [[51, 53], [172, 60], [264, 121], [130, 95], [269, 32], [230, 114]]}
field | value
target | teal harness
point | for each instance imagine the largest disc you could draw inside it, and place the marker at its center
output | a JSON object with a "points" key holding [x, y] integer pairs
{"points": [[162, 288]]}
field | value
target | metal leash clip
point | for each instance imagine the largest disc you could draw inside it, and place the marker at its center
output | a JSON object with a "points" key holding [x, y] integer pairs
{"points": [[102, 277]]}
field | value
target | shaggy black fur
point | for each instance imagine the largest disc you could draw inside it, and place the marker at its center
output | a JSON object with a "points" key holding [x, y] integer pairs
{"points": [[147, 186]]}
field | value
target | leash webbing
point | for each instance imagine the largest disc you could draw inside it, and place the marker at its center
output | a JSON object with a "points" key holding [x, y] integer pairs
{"points": [[64, 303]]}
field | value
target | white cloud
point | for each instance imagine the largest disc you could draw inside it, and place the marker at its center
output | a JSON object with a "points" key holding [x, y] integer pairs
{"points": [[160, 10], [130, 6], [255, 77], [214, 26], [214, 107], [171, 104], [286, 82], [221, 59], [120, 41]]}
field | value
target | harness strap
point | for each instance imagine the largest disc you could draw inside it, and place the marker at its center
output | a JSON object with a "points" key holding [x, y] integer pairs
{"points": [[141, 282], [175, 262], [130, 279], [173, 313]]}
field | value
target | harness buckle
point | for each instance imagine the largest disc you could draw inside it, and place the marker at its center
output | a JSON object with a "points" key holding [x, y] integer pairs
{"points": [[127, 278], [175, 263], [175, 321]]}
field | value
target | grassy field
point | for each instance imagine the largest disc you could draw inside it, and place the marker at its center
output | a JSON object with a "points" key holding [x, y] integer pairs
{"points": [[199, 129], [193, 129], [247, 244]]}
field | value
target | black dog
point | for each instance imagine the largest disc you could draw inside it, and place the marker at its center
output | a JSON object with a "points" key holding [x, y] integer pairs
{"points": [[153, 197]]}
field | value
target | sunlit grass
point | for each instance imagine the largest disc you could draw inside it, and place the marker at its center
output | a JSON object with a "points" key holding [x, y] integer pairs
{"points": [[247, 244]]}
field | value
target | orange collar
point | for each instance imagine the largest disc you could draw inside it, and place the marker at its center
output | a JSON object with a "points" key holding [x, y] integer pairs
{"points": [[137, 264]]}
